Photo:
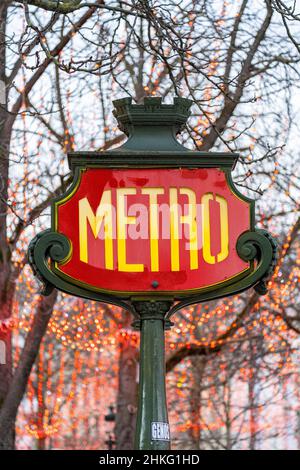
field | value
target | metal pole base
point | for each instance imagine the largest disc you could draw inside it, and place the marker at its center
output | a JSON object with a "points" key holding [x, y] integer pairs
{"points": [[152, 429]]}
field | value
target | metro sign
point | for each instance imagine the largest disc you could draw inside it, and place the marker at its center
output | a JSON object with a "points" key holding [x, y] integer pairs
{"points": [[139, 231], [152, 219], [152, 227]]}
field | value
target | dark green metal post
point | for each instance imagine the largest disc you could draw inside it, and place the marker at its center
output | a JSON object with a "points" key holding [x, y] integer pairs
{"points": [[152, 429]]}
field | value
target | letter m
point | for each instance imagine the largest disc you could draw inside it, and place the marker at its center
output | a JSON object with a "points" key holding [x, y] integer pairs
{"points": [[103, 214]]}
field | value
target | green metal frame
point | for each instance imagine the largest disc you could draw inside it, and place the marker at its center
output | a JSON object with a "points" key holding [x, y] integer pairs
{"points": [[152, 129]]}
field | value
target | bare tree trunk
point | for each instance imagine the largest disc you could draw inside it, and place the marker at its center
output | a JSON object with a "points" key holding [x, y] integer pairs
{"points": [[41, 444], [198, 368], [251, 393], [298, 429], [228, 420], [6, 293], [252, 398], [127, 392], [19, 382], [6, 369]]}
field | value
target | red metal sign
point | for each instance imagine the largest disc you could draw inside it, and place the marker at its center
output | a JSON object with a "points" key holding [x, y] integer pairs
{"points": [[152, 230]]}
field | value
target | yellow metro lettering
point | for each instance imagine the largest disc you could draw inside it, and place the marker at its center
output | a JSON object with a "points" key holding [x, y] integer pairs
{"points": [[224, 228], [122, 220], [154, 227], [191, 220], [103, 213], [206, 226], [174, 229]]}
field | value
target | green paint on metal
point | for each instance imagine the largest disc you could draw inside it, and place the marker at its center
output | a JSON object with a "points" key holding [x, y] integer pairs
{"points": [[149, 159], [48, 247], [254, 246], [152, 125], [152, 430]]}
